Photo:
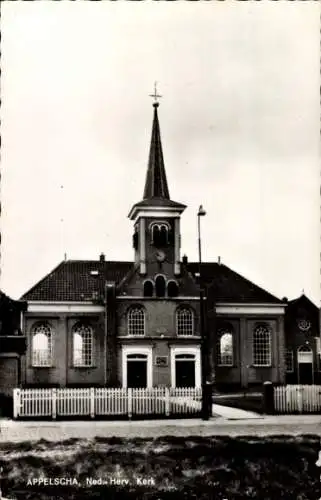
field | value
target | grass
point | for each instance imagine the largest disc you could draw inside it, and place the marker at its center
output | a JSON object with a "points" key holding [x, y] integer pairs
{"points": [[191, 468]]}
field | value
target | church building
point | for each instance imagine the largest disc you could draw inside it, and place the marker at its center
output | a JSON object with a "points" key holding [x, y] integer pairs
{"points": [[137, 324]]}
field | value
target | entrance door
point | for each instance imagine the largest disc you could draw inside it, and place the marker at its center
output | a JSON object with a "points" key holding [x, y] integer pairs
{"points": [[305, 365], [136, 371], [185, 370], [305, 373]]}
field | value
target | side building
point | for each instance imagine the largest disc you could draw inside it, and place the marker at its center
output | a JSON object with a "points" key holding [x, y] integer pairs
{"points": [[12, 349], [302, 337]]}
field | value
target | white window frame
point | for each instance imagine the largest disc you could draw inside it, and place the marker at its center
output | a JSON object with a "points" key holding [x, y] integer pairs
{"points": [[196, 351], [221, 333], [129, 327], [305, 355], [268, 329], [91, 344], [50, 340], [178, 310], [138, 349]]}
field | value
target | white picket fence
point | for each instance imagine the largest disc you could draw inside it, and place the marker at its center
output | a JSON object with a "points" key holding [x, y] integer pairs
{"points": [[297, 398], [94, 402]]}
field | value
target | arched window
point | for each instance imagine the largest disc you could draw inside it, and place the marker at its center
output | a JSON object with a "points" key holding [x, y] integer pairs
{"points": [[262, 346], [82, 345], [163, 234], [148, 288], [42, 345], [305, 354], [225, 347], [160, 285], [136, 321], [159, 234], [172, 289], [184, 322], [155, 235]]}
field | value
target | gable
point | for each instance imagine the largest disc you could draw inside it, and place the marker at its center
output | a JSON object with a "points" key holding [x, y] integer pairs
{"points": [[302, 308]]}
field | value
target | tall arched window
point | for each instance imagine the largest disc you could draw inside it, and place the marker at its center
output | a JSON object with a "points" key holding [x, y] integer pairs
{"points": [[155, 235], [262, 346], [225, 347], [82, 345], [184, 322], [42, 345], [172, 289], [148, 288], [160, 286], [163, 234], [136, 321]]}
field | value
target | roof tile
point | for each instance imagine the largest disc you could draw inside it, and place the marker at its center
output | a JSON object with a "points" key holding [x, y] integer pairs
{"points": [[72, 281]]}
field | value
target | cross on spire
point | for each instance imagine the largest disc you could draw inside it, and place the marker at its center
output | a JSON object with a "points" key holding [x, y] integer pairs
{"points": [[155, 95]]}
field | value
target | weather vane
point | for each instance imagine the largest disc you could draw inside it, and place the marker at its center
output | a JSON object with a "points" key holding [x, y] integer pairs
{"points": [[155, 95]]}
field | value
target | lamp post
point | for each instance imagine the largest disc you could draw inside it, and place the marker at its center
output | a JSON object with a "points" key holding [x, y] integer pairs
{"points": [[204, 368]]}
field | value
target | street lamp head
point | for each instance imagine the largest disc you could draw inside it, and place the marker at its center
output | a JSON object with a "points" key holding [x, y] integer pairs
{"points": [[201, 211]]}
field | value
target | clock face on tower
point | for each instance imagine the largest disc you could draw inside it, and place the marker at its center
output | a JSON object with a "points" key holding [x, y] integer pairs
{"points": [[160, 256]]}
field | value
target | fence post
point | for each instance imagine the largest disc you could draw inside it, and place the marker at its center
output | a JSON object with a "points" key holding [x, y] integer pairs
{"points": [[16, 403], [167, 400], [300, 398], [130, 402], [268, 398], [53, 403], [92, 402]]}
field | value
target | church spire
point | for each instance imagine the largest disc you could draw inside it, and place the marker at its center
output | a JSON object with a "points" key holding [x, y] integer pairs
{"points": [[156, 182]]}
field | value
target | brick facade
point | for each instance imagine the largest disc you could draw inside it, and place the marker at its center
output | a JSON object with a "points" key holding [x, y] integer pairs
{"points": [[110, 289]]}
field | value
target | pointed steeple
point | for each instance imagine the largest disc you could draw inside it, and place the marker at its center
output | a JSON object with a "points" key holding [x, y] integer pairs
{"points": [[156, 193], [156, 183]]}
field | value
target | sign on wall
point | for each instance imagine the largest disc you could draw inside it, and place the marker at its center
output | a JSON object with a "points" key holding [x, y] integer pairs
{"points": [[161, 360]]}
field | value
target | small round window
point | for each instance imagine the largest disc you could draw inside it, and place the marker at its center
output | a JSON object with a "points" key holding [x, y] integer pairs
{"points": [[304, 325]]}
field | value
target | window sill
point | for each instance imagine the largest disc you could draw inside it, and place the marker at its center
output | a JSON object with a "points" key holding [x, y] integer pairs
{"points": [[261, 366], [42, 367], [186, 336], [83, 367]]}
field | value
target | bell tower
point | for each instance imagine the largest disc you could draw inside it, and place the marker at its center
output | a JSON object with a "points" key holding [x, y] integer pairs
{"points": [[156, 218]]}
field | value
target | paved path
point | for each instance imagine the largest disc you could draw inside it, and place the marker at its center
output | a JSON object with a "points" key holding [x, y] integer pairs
{"points": [[19, 431], [233, 413], [219, 410]]}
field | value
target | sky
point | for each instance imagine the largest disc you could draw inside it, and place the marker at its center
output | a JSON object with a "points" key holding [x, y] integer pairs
{"points": [[239, 118]]}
